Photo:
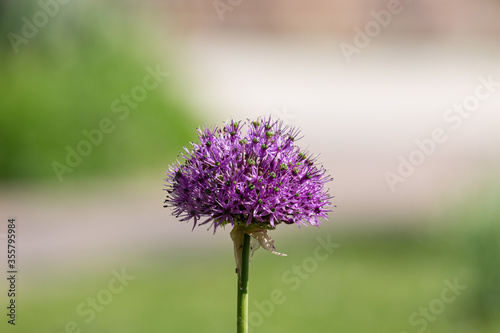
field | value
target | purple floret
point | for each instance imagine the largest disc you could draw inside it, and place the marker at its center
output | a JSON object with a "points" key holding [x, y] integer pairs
{"points": [[258, 177]]}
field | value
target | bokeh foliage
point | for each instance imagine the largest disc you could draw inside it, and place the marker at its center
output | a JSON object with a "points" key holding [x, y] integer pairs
{"points": [[64, 80]]}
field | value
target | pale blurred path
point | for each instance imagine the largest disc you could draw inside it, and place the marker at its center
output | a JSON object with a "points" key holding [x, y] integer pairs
{"points": [[361, 116], [65, 228]]}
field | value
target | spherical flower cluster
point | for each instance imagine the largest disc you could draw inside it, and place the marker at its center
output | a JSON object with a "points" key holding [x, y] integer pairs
{"points": [[257, 177]]}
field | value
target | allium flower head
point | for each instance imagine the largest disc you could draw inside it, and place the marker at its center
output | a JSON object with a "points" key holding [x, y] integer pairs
{"points": [[250, 174]]}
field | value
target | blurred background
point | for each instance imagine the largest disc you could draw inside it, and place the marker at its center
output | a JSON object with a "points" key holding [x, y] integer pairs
{"points": [[98, 98]]}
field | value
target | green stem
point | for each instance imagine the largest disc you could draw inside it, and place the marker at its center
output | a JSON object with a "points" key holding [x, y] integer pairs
{"points": [[242, 305]]}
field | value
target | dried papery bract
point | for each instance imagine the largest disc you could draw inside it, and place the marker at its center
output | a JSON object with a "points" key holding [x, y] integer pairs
{"points": [[260, 238]]}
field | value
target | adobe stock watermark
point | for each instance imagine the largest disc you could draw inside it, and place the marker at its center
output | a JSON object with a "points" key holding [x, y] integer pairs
{"points": [[284, 115], [425, 315], [88, 309], [293, 278], [453, 119], [372, 29], [223, 6], [121, 108], [32, 26]]}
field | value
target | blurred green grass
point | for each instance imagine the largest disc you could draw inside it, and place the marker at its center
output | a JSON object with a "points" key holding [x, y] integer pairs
{"points": [[372, 283], [64, 81]]}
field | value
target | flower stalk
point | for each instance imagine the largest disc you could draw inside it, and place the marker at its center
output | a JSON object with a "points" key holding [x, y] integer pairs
{"points": [[242, 303]]}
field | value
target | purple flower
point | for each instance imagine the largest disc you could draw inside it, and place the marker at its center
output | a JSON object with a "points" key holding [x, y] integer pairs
{"points": [[258, 178]]}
